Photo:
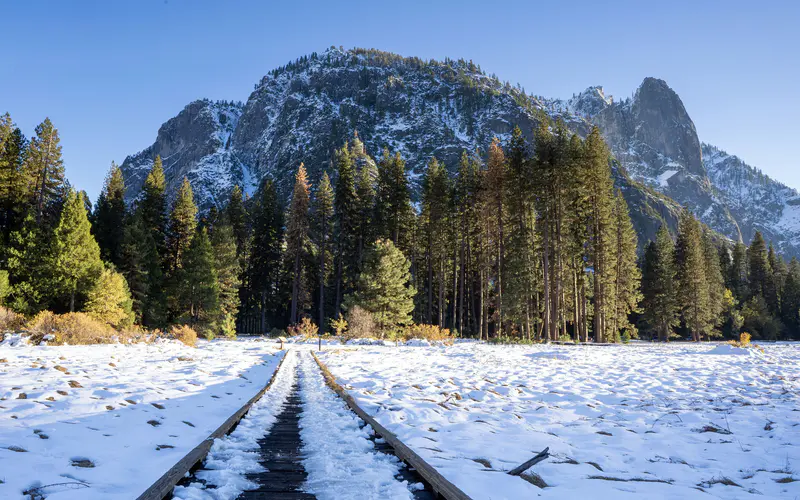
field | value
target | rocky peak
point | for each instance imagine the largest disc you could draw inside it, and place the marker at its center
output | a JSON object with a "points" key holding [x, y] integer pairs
{"points": [[589, 102], [201, 130], [660, 121]]}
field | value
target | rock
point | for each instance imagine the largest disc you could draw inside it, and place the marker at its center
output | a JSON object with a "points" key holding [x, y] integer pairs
{"points": [[302, 112]]}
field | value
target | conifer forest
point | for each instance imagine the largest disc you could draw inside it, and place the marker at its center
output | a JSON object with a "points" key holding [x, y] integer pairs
{"points": [[520, 242]]}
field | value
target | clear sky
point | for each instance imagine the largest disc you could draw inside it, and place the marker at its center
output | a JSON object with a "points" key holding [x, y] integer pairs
{"points": [[109, 73]]}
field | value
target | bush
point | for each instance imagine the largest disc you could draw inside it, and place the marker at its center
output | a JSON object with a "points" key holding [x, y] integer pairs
{"points": [[305, 329], [339, 325], [71, 328], [10, 321], [360, 324], [744, 340], [431, 333], [183, 333]]}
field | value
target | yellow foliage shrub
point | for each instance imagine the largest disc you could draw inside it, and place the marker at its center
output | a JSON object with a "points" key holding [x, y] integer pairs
{"points": [[305, 328], [183, 333], [744, 340], [431, 333], [71, 328]]}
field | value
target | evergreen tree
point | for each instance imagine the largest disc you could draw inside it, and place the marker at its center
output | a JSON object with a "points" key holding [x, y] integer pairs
{"points": [[346, 231], [76, 263], [236, 215], [693, 293], [759, 272], [109, 300], [790, 303], [520, 262], [601, 248], [297, 242], [738, 272], [627, 275], [153, 205], [196, 295], [394, 214], [260, 290], [226, 268], [29, 266], [15, 183], [109, 217], [659, 304], [383, 287], [323, 215], [182, 225], [716, 285], [44, 165], [141, 267], [774, 284], [435, 207], [365, 210]]}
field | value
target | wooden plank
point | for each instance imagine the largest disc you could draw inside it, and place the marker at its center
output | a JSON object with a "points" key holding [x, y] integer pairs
{"points": [[166, 483], [437, 482]]}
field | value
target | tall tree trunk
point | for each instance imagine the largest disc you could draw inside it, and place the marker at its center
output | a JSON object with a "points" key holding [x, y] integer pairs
{"points": [[295, 289]]}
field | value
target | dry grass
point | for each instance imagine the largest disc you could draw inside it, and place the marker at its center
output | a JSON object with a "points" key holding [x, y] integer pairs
{"points": [[10, 321]]}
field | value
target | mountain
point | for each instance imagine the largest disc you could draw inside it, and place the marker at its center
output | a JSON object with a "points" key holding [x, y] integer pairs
{"points": [[305, 110]]}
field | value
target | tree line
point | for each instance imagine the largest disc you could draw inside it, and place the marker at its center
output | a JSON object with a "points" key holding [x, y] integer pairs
{"points": [[527, 241]]}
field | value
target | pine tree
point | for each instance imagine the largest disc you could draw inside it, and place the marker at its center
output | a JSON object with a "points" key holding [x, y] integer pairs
{"points": [[759, 271], [44, 165], [601, 248], [196, 295], [775, 279], [383, 287], [394, 214], [15, 183], [109, 300], [76, 263], [345, 226], [226, 268], [693, 293], [109, 217], [365, 208], [738, 272], [435, 207], [520, 262], [659, 303], [236, 215], [716, 285], [790, 303], [260, 287], [323, 215], [153, 205], [182, 225], [141, 267], [297, 241], [29, 265], [627, 275], [496, 182]]}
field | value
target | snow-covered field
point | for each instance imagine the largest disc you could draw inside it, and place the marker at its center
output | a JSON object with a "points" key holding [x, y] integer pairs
{"points": [[107, 421], [638, 421]]}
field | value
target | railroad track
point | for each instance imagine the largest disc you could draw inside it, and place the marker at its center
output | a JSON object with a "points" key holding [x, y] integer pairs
{"points": [[281, 456]]}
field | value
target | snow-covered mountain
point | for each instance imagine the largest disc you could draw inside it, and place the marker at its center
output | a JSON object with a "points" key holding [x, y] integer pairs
{"points": [[303, 111]]}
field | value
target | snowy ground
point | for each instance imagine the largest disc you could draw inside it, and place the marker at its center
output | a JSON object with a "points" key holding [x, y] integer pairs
{"points": [[107, 421], [639, 421]]}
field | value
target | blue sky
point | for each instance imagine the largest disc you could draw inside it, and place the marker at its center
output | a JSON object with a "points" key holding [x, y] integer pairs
{"points": [[110, 73]]}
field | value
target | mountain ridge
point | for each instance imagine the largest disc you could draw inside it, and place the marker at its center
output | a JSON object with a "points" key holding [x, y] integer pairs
{"points": [[304, 110]]}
